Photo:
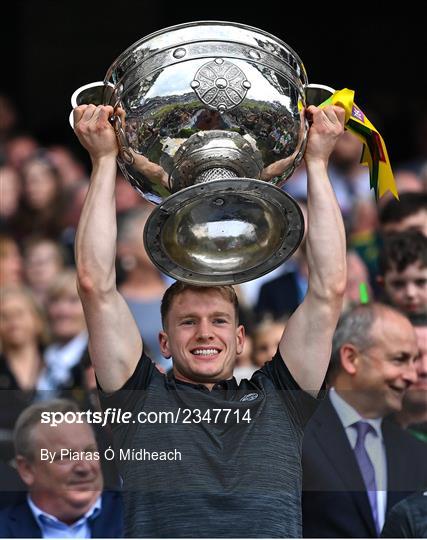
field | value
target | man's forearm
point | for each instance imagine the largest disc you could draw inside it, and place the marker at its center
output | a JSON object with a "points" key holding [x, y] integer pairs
{"points": [[97, 231], [326, 243]]}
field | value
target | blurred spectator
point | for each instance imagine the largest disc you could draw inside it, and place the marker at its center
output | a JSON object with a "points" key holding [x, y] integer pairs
{"points": [[245, 367], [71, 171], [65, 497], [74, 207], [364, 238], [8, 117], [23, 335], [408, 518], [42, 203], [349, 179], [71, 217], [18, 149], [249, 292], [43, 261], [63, 373], [10, 191], [10, 261], [356, 462], [282, 295], [267, 336], [403, 271], [357, 273], [413, 415], [409, 212], [127, 197], [406, 182], [143, 284], [364, 217], [423, 176]]}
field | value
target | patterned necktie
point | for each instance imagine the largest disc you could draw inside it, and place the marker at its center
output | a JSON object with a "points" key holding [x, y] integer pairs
{"points": [[366, 468]]}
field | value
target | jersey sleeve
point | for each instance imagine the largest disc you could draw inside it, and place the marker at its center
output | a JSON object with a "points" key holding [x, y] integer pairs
{"points": [[134, 389], [301, 404]]}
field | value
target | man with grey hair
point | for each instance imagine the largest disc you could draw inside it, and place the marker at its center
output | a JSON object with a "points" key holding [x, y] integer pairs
{"points": [[356, 463], [61, 469], [413, 415]]}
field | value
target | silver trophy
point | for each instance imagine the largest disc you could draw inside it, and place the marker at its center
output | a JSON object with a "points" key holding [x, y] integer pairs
{"points": [[214, 125]]}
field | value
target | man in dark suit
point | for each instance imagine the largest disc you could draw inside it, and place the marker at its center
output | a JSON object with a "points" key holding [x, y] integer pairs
{"points": [[356, 464], [61, 469]]}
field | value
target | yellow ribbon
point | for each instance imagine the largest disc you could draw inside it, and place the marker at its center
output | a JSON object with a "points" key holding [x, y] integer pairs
{"points": [[374, 153]]}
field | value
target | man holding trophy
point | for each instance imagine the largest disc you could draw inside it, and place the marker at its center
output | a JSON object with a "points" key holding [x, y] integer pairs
{"points": [[203, 456]]}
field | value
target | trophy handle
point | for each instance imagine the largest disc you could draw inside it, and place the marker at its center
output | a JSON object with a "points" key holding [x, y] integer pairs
{"points": [[316, 94], [99, 93], [124, 152]]}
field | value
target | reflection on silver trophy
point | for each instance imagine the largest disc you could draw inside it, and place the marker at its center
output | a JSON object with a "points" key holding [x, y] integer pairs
{"points": [[214, 126]]}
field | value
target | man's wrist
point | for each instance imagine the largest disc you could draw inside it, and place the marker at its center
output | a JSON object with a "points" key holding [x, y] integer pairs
{"points": [[104, 161], [316, 165]]}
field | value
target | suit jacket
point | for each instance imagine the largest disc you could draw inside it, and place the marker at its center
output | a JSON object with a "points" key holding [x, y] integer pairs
{"points": [[17, 521], [335, 503], [279, 297], [12, 488]]}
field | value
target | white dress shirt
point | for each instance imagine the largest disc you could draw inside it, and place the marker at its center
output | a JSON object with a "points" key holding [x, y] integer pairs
{"points": [[52, 527], [374, 445], [59, 361]]}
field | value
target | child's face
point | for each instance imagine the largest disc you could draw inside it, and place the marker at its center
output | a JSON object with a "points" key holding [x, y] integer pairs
{"points": [[407, 290], [266, 343]]}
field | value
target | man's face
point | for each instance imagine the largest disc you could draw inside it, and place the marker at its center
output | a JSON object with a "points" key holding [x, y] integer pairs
{"points": [[385, 371], [416, 396], [407, 290], [202, 336], [65, 488]]}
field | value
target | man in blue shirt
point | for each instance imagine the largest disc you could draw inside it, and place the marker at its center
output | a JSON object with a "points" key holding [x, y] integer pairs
{"points": [[61, 469]]}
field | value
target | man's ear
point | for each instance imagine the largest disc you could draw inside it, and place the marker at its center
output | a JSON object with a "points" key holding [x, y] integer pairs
{"points": [[164, 344], [349, 358], [25, 470], [240, 335]]}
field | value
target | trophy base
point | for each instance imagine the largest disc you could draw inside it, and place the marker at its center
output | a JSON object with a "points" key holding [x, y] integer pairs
{"points": [[224, 231]]}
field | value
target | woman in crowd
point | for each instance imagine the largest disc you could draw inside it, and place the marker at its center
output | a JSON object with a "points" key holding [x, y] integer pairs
{"points": [[10, 262], [44, 259], [42, 202], [23, 335]]}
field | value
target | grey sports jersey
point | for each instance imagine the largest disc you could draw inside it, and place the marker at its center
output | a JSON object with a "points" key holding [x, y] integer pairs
{"points": [[232, 473]]}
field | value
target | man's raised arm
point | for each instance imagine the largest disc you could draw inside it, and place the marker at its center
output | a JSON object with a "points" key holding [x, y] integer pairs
{"points": [[307, 341], [115, 344]]}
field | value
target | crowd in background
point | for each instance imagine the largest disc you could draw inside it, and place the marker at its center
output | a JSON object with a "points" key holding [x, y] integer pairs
{"points": [[43, 351]]}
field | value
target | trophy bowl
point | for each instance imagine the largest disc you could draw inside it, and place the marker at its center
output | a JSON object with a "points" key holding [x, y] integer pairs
{"points": [[214, 125]]}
